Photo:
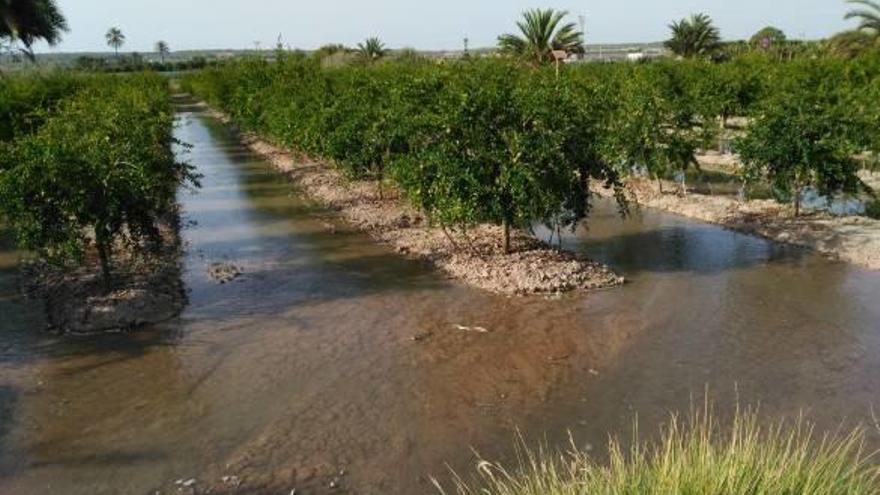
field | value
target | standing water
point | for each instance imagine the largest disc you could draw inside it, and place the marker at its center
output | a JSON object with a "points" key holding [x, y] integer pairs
{"points": [[333, 360]]}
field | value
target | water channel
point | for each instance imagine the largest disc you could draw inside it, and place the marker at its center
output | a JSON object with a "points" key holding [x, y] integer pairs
{"points": [[306, 366]]}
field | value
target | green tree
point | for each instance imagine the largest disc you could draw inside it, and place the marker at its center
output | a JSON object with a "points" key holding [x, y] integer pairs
{"points": [[806, 134], [372, 49], [331, 49], [541, 32], [163, 50], [868, 16], [725, 90], [115, 39], [651, 130], [694, 37], [767, 38], [100, 172], [27, 21]]}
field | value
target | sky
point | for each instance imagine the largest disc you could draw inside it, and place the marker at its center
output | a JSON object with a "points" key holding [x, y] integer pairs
{"points": [[434, 25]]}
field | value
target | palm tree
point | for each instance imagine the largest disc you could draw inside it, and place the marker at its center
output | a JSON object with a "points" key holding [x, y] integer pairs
{"points": [[372, 49], [162, 49], [694, 37], [541, 32], [27, 21], [115, 38], [869, 16]]}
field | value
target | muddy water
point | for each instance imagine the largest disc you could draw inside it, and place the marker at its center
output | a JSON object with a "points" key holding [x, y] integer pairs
{"points": [[330, 353]]}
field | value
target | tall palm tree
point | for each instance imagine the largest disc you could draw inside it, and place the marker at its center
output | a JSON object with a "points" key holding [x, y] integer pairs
{"points": [[27, 21], [868, 16], [163, 50], [115, 38], [372, 49], [693, 37], [541, 32]]}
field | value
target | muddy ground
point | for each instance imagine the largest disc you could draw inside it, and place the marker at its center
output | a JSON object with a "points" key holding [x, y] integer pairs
{"points": [[145, 289]]}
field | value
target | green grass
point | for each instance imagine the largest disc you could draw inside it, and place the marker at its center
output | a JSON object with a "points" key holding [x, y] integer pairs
{"points": [[694, 456]]}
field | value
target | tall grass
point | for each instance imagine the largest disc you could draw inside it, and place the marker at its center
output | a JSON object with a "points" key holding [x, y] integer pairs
{"points": [[696, 455]]}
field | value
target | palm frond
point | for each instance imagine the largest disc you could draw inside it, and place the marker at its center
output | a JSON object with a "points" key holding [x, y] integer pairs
{"points": [[540, 32], [27, 21], [869, 15]]}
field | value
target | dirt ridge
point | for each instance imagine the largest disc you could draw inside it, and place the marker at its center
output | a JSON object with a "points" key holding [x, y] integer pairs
{"points": [[475, 257]]}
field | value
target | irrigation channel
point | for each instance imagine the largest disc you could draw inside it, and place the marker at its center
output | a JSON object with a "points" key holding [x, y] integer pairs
{"points": [[334, 360]]}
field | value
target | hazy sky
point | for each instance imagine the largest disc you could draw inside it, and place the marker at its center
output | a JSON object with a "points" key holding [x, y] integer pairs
{"points": [[437, 24]]}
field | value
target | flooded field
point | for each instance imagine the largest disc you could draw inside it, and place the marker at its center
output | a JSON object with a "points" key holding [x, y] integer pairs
{"points": [[331, 360]]}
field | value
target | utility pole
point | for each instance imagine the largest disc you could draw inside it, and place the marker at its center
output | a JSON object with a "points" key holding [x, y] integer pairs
{"points": [[582, 19]]}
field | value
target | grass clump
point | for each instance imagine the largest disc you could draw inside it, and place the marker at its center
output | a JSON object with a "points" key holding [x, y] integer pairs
{"points": [[694, 456]]}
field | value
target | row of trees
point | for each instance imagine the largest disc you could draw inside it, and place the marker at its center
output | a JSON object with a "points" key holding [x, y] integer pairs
{"points": [[545, 34], [97, 171], [496, 141], [116, 39], [697, 37]]}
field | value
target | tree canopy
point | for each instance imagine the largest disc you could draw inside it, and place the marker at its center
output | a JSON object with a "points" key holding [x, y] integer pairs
{"points": [[694, 37], [541, 32], [768, 37], [28, 21], [115, 38], [372, 49]]}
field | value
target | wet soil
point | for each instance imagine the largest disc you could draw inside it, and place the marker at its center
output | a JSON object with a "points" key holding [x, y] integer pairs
{"points": [[145, 289]]}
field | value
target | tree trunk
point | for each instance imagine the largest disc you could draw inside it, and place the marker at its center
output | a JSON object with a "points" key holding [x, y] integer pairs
{"points": [[104, 254], [506, 226], [450, 239], [797, 199], [721, 134], [684, 190]]}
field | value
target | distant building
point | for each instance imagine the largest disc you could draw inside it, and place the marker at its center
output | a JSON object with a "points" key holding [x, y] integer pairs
{"points": [[635, 56]]}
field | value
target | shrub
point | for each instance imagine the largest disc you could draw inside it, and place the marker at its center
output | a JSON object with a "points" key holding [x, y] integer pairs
{"points": [[100, 171], [696, 456]]}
